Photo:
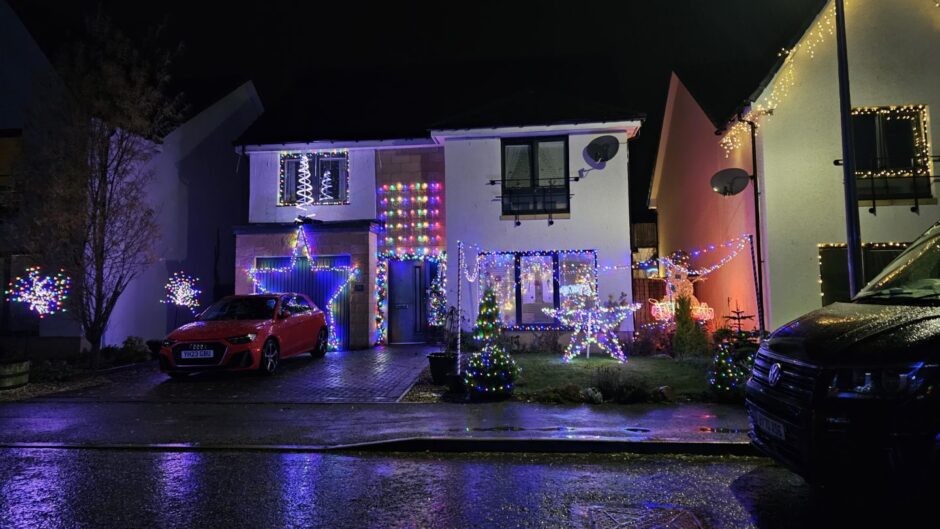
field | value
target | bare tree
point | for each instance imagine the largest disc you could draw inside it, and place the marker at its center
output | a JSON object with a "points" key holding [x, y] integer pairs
{"points": [[88, 155]]}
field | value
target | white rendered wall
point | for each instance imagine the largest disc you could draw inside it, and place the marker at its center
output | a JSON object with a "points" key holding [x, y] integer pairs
{"points": [[265, 169], [600, 215], [893, 60]]}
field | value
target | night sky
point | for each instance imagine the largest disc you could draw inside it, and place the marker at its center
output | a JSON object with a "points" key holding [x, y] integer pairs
{"points": [[401, 67]]}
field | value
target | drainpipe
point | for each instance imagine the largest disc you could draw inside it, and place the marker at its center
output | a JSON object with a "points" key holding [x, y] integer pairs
{"points": [[853, 238], [759, 261]]}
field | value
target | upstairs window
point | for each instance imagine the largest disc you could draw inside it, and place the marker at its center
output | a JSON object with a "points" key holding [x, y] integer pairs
{"points": [[315, 179], [535, 176], [892, 155]]}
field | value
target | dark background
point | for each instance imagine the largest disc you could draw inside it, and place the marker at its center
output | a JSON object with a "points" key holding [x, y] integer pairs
{"points": [[397, 68]]}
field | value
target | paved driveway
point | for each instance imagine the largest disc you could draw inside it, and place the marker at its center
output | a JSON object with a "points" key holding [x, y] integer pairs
{"points": [[372, 375]]}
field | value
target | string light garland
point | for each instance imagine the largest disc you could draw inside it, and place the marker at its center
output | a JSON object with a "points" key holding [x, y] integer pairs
{"points": [[821, 31], [333, 342], [917, 116], [437, 297], [301, 249], [437, 300], [181, 290], [45, 295], [892, 245], [593, 324]]}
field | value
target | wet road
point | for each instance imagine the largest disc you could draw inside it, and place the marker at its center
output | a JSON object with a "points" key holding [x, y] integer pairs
{"points": [[107, 488]]}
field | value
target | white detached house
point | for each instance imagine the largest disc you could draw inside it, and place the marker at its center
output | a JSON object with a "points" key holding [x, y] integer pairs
{"points": [[535, 214]]}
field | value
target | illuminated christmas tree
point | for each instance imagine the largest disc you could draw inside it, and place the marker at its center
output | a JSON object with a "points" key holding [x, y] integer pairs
{"points": [[437, 299], [734, 357], [326, 186], [488, 323], [304, 186], [490, 373]]}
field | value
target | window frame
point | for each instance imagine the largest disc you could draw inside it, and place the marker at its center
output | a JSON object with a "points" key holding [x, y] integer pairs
{"points": [[533, 143], [876, 180], [314, 159], [556, 286]]}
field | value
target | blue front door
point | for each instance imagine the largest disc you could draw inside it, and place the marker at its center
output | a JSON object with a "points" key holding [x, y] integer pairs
{"points": [[407, 301]]}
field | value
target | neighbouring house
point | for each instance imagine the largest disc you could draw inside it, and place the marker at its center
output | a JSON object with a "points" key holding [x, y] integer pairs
{"points": [[199, 191], [369, 225], [894, 76]]}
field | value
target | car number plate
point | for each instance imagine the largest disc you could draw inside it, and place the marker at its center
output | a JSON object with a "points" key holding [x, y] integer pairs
{"points": [[198, 354], [772, 427]]}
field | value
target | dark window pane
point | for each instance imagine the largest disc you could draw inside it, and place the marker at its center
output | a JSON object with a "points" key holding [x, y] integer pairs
{"points": [[289, 189], [331, 179], [866, 148], [898, 139], [551, 163], [518, 169], [834, 269]]}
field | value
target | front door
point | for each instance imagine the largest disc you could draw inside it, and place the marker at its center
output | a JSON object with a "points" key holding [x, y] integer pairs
{"points": [[407, 301]]}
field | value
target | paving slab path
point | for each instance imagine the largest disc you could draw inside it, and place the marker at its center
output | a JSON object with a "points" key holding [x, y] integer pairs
{"points": [[381, 374]]}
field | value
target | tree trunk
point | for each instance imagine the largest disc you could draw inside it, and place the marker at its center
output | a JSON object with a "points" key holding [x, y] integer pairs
{"points": [[94, 338]]}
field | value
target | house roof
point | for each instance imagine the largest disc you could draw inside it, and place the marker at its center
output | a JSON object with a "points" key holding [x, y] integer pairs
{"points": [[380, 118]]}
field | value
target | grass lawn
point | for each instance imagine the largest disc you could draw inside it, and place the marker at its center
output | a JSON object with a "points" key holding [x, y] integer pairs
{"points": [[542, 372]]}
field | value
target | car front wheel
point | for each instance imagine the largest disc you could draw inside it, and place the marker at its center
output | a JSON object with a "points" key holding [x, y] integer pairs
{"points": [[323, 342], [270, 357]]}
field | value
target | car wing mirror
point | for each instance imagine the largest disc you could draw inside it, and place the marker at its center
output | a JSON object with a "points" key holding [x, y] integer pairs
{"points": [[284, 315]]}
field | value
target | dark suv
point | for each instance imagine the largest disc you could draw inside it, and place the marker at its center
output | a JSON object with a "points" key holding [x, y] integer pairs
{"points": [[854, 386]]}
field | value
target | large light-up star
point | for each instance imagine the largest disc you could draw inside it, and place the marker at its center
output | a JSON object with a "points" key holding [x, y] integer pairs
{"points": [[594, 324]]}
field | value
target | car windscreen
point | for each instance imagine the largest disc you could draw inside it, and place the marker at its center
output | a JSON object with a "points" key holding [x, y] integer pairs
{"points": [[915, 274], [249, 308]]}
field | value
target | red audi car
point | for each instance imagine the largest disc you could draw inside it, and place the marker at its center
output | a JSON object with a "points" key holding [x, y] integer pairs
{"points": [[241, 333]]}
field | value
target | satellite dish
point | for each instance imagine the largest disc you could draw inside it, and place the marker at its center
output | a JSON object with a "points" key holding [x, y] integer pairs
{"points": [[728, 182], [603, 148]]}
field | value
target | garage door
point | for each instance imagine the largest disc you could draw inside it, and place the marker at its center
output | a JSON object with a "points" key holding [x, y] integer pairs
{"points": [[319, 285]]}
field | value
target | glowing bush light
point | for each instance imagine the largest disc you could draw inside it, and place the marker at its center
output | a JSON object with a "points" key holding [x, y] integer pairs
{"points": [[181, 291], [44, 295]]}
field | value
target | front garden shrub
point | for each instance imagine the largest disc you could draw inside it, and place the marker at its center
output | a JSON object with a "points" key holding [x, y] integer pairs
{"points": [[689, 339], [617, 384]]}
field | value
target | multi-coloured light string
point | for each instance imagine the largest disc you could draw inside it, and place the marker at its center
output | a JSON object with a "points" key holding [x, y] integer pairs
{"points": [[45, 295]]}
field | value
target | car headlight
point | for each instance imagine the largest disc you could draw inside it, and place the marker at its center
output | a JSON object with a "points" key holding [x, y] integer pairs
{"points": [[245, 338], [168, 342], [879, 382]]}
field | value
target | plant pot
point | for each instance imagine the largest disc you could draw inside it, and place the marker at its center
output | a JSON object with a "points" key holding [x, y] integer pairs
{"points": [[442, 364], [14, 374]]}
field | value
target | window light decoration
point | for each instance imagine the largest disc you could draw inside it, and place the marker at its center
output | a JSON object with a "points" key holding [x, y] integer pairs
{"points": [[316, 178], [45, 295], [593, 324], [181, 291], [917, 116], [894, 245]]}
